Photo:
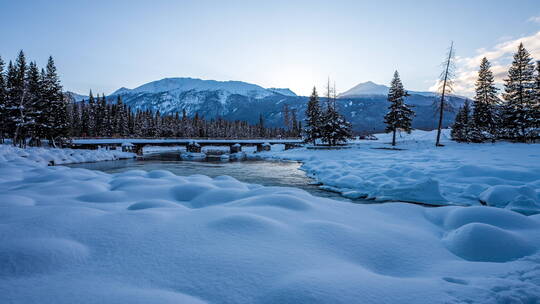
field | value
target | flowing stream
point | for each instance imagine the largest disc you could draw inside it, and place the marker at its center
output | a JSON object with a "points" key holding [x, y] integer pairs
{"points": [[263, 172]]}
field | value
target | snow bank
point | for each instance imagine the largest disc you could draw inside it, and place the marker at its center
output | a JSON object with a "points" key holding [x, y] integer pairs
{"points": [[505, 175], [51, 156], [79, 236]]}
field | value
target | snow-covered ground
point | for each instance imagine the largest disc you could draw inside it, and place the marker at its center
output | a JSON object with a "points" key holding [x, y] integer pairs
{"points": [[501, 174], [60, 156], [79, 236]]}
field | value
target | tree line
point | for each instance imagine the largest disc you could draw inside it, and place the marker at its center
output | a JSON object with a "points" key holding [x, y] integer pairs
{"points": [[98, 117], [34, 108], [32, 104], [516, 117]]}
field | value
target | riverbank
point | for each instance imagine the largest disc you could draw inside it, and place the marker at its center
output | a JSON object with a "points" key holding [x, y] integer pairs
{"points": [[56, 156], [505, 175]]}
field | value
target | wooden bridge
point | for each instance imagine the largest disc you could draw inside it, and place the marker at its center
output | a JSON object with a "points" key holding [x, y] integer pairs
{"points": [[192, 145]]}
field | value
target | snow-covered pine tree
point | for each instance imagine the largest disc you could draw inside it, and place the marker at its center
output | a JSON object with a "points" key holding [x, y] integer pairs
{"points": [[34, 106], [536, 104], [106, 124], [76, 120], [3, 101], [313, 118], [91, 115], [122, 118], [84, 119], [335, 129], [18, 99], [519, 96], [460, 128], [485, 102], [58, 128], [399, 116]]}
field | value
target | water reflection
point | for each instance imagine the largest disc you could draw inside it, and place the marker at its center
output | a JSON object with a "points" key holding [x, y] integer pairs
{"points": [[268, 173]]}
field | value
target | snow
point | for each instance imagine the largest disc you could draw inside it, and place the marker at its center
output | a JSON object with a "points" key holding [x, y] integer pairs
{"points": [[193, 84], [365, 88], [505, 175], [80, 236], [50, 156], [283, 91]]}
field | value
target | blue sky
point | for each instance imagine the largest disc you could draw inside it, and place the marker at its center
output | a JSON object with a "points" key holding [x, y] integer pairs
{"points": [[103, 45]]}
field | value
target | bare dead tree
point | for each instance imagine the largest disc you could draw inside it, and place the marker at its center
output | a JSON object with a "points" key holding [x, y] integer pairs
{"points": [[446, 82]]}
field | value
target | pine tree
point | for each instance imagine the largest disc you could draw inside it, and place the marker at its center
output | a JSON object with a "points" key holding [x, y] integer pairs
{"points": [[122, 118], [18, 98], [313, 118], [460, 128], [261, 126], [335, 128], [57, 127], [519, 96], [91, 115], [536, 104], [399, 115], [286, 117], [485, 100], [3, 103], [34, 106], [76, 120]]}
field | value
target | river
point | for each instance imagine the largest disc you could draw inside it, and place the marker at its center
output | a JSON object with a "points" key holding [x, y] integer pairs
{"points": [[263, 172]]}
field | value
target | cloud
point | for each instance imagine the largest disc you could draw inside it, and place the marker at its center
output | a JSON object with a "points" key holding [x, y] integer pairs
{"points": [[535, 19], [500, 57]]}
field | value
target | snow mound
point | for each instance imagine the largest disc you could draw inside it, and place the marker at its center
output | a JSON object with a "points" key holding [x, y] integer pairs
{"points": [[39, 255], [424, 192], [486, 243], [519, 198], [7, 199], [488, 215], [276, 200]]}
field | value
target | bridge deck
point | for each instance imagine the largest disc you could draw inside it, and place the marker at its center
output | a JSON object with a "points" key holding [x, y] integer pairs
{"points": [[182, 141]]}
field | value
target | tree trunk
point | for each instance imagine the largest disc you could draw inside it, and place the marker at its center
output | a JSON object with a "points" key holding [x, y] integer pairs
{"points": [[438, 143], [394, 138]]}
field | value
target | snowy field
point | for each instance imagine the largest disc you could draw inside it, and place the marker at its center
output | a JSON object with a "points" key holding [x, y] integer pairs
{"points": [[79, 236], [505, 175]]}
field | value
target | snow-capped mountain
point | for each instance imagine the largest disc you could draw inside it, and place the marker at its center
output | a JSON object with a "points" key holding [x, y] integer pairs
{"points": [[180, 85], [369, 88], [365, 89], [363, 105]]}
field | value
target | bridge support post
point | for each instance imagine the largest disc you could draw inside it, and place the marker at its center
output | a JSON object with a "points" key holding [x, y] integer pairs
{"points": [[193, 147], [139, 150], [236, 148], [263, 147]]}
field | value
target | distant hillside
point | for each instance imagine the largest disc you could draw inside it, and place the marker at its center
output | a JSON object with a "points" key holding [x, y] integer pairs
{"points": [[235, 100]]}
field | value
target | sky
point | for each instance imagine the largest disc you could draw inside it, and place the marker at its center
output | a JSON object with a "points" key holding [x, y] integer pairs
{"points": [[105, 45]]}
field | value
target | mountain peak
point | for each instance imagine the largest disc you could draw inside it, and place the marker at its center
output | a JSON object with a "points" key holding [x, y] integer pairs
{"points": [[184, 84], [365, 88]]}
